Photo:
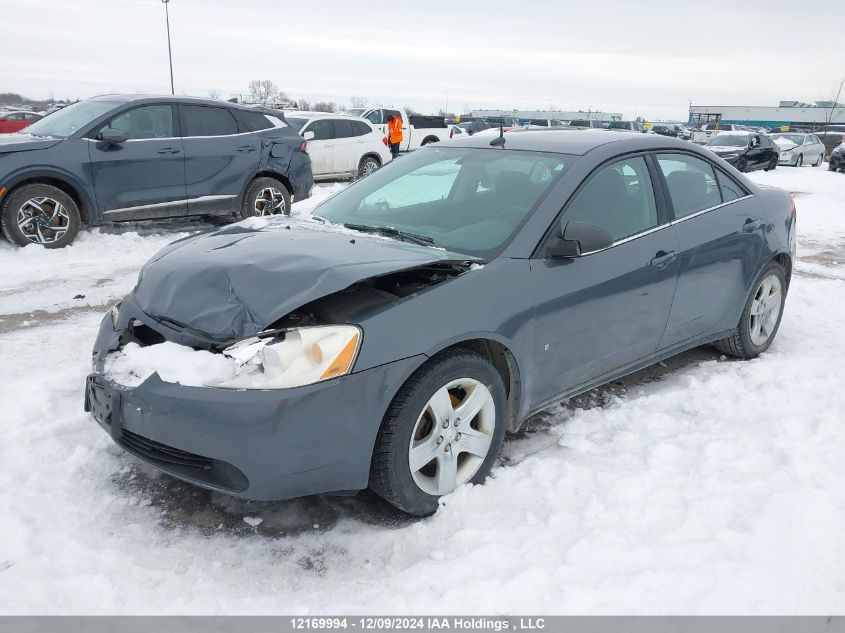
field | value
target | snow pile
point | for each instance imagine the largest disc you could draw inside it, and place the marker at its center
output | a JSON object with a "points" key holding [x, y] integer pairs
{"points": [[174, 363]]}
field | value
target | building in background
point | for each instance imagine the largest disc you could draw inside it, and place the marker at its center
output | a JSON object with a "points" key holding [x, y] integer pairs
{"points": [[555, 115], [791, 113]]}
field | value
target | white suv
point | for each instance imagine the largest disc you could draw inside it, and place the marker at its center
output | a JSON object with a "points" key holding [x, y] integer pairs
{"points": [[340, 146]]}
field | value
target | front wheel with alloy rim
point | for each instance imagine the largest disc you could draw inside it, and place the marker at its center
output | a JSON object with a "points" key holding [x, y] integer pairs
{"points": [[444, 429], [265, 196], [40, 214], [367, 166], [800, 161], [761, 316]]}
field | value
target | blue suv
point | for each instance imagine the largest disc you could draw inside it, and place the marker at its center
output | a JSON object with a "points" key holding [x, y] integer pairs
{"points": [[130, 157]]}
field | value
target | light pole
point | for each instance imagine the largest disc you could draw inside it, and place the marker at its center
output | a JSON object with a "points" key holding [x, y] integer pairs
{"points": [[169, 53]]}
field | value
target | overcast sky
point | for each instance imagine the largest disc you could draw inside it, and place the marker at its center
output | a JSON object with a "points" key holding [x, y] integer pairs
{"points": [[641, 58]]}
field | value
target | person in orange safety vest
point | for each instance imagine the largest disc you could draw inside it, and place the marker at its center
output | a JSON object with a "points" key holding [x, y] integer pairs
{"points": [[394, 134]]}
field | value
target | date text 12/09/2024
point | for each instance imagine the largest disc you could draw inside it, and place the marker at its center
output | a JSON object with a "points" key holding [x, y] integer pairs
{"points": [[421, 623]]}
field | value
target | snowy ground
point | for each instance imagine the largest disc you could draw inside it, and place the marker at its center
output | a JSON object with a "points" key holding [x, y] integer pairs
{"points": [[701, 485]]}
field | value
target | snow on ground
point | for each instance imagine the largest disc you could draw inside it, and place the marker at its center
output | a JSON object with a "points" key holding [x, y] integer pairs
{"points": [[700, 485]]}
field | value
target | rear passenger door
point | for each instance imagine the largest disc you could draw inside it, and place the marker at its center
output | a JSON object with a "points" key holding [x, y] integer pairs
{"points": [[346, 146], [719, 229], [219, 158], [321, 147]]}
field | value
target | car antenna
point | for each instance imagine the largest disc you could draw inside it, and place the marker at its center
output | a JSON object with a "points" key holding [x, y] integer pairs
{"points": [[500, 140]]}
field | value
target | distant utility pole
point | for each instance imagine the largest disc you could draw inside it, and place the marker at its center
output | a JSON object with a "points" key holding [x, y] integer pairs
{"points": [[169, 53]]}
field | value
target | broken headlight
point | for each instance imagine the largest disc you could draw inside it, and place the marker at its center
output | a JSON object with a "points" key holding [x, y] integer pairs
{"points": [[295, 358]]}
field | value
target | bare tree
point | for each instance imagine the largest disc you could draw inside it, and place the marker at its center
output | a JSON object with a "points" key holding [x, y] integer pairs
{"points": [[324, 106], [264, 91], [357, 102], [836, 102], [213, 93], [303, 104], [411, 111]]}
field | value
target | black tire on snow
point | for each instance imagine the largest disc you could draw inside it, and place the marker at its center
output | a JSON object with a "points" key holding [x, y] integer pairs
{"points": [[739, 343], [13, 202], [364, 161], [390, 474], [255, 187]]}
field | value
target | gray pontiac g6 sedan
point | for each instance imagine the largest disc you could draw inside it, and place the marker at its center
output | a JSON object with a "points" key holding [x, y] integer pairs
{"points": [[393, 337]]}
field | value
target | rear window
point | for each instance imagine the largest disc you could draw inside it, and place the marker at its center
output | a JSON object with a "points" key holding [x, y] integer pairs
{"points": [[207, 121], [252, 121]]}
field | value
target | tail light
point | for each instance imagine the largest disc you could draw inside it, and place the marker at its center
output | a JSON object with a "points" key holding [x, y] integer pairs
{"points": [[303, 147], [384, 140]]}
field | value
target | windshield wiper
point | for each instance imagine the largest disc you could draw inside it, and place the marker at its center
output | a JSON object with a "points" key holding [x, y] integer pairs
{"points": [[392, 231]]}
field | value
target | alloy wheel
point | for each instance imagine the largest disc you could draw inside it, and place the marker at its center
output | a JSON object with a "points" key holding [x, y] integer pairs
{"points": [[452, 436], [270, 201], [765, 310], [43, 220], [368, 167]]}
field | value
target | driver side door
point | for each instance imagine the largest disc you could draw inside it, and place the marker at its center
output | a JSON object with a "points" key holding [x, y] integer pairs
{"points": [[144, 177], [601, 311]]}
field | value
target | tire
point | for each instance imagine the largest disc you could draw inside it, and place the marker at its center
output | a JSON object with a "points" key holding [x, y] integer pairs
{"points": [[741, 164], [820, 161], [831, 166], [265, 196], [429, 139], [40, 214], [367, 166], [411, 418], [742, 342], [773, 164], [800, 161]]}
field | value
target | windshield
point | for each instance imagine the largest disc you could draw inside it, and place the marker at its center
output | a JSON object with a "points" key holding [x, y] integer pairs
{"points": [[467, 200], [793, 138], [619, 125], [62, 123], [296, 124], [728, 140]]}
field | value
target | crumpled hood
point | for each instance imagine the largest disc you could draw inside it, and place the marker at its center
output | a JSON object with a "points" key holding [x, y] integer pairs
{"points": [[25, 142], [234, 282]]}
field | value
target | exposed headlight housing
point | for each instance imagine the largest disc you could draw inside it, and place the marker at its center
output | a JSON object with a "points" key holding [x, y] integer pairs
{"points": [[294, 358]]}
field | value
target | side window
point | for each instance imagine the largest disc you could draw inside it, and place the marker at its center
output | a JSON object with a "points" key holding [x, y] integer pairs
{"points": [[728, 187], [252, 121], [360, 129], [692, 183], [207, 121], [395, 113], [619, 198], [342, 128], [322, 129], [375, 117], [153, 121]]}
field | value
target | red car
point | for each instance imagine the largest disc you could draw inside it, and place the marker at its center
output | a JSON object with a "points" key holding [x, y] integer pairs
{"points": [[16, 121]]}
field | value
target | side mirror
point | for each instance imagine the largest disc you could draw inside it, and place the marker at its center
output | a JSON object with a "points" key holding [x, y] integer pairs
{"points": [[309, 135], [579, 238], [114, 136]]}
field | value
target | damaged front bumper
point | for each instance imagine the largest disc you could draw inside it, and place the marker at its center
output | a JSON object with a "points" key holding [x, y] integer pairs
{"points": [[258, 444]]}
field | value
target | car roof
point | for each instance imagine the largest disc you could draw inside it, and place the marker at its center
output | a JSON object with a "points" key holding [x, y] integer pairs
{"points": [[307, 114], [577, 142], [141, 98]]}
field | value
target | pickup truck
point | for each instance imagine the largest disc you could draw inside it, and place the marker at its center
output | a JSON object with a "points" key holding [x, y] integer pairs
{"points": [[703, 136], [417, 130]]}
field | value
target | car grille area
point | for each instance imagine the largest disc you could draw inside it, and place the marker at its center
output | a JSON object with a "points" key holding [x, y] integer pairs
{"points": [[183, 464]]}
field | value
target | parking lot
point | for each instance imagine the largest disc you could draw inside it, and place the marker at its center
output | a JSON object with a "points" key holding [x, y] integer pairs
{"points": [[699, 485]]}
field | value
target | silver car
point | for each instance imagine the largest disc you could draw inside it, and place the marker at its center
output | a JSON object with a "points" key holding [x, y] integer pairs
{"points": [[798, 148]]}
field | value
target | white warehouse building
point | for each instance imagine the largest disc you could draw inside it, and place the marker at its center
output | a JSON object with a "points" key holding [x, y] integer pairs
{"points": [[792, 113], [558, 115]]}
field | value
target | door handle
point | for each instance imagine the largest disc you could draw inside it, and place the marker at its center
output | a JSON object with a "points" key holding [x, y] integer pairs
{"points": [[662, 259], [751, 225], [169, 150], [246, 148]]}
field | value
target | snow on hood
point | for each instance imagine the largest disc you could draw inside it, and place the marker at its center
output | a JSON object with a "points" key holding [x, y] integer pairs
{"points": [[24, 142], [233, 282], [785, 143]]}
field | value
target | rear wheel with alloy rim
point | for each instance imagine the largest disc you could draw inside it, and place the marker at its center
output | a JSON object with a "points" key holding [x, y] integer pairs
{"points": [[444, 429], [741, 164], [265, 196], [772, 164], [40, 214], [367, 166], [819, 162], [761, 316]]}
